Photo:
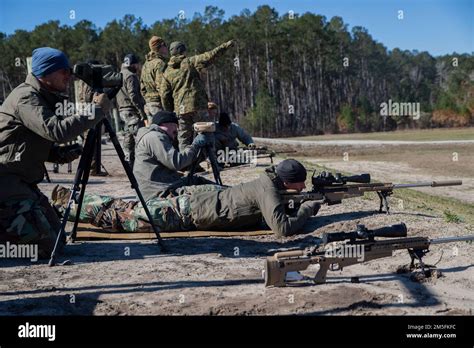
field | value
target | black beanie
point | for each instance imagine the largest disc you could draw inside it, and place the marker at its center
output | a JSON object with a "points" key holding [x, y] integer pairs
{"points": [[164, 117], [224, 119], [291, 171]]}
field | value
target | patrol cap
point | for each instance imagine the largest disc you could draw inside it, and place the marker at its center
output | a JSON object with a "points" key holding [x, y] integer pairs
{"points": [[177, 47], [162, 117], [155, 43], [291, 171]]}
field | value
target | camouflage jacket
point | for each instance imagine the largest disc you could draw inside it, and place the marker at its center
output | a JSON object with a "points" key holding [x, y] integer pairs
{"points": [[129, 98], [228, 138], [182, 89], [30, 123], [152, 74], [84, 92], [244, 205], [157, 162]]}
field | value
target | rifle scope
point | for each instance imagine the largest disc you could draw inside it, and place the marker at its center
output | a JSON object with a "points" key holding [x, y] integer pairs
{"points": [[326, 178], [392, 231]]}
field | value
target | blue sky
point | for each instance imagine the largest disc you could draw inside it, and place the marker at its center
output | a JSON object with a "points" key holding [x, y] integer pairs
{"points": [[436, 26]]}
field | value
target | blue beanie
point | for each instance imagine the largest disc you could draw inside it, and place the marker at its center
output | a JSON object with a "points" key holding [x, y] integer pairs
{"points": [[47, 60]]}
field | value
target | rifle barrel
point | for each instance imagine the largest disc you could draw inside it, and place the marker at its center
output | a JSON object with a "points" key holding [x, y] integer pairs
{"points": [[430, 184], [452, 239]]}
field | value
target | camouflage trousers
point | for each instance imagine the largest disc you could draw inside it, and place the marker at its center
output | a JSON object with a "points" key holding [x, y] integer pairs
{"points": [[30, 221], [132, 124], [185, 123], [151, 108], [171, 214]]}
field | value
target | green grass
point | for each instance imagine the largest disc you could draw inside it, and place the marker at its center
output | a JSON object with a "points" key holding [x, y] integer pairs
{"points": [[408, 135], [451, 209], [451, 217]]}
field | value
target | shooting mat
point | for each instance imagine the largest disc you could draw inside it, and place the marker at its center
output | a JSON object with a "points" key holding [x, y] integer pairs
{"points": [[88, 232]]}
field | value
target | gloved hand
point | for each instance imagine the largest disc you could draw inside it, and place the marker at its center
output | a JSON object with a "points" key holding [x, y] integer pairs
{"points": [[312, 205], [65, 154], [251, 146], [203, 139], [103, 101], [231, 43]]}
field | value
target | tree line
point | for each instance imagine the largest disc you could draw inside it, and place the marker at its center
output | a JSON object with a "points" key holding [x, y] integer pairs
{"points": [[289, 75]]}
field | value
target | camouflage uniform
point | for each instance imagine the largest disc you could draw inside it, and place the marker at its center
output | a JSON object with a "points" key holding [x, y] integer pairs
{"points": [[169, 214], [30, 221], [183, 91], [84, 92], [30, 126], [150, 82], [205, 207], [85, 95], [131, 107]]}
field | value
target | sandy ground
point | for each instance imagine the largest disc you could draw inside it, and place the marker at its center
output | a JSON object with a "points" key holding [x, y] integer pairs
{"points": [[223, 276]]}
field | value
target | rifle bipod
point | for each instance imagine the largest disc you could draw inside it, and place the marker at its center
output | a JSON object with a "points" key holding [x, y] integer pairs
{"points": [[82, 177], [418, 255], [384, 201]]}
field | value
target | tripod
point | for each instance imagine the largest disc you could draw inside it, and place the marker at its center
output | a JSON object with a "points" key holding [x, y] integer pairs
{"points": [[208, 151], [82, 177]]}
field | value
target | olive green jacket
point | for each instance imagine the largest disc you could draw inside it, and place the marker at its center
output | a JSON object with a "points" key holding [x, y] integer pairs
{"points": [[129, 98], [244, 206], [182, 89], [157, 162], [30, 123]]}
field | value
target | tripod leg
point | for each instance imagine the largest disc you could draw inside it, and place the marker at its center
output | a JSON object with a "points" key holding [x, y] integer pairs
{"points": [[132, 179], [86, 157], [193, 168], [46, 174], [84, 180], [214, 165], [98, 152]]}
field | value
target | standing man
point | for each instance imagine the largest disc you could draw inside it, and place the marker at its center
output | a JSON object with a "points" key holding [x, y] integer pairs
{"points": [[131, 105], [85, 95], [152, 74], [31, 121], [183, 91]]}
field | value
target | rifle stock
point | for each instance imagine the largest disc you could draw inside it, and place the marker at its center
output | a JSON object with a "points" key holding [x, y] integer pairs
{"points": [[278, 265]]}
